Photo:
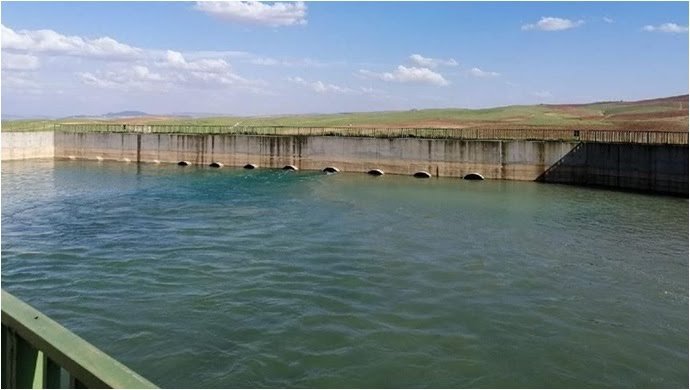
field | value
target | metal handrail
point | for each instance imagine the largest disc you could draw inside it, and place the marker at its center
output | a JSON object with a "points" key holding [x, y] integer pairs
{"points": [[618, 136], [36, 350]]}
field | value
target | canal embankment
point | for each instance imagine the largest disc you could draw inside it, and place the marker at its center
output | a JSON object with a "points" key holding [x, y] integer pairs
{"points": [[510, 160], [641, 161]]}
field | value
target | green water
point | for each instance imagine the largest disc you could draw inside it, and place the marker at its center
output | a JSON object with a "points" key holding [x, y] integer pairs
{"points": [[196, 277]]}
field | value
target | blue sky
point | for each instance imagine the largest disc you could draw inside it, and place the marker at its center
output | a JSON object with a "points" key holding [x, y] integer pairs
{"points": [[62, 59]]}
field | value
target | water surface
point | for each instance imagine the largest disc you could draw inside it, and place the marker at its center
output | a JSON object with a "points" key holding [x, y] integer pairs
{"points": [[199, 277]]}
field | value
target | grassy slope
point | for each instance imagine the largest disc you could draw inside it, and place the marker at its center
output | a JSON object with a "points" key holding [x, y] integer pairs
{"points": [[669, 114], [512, 116]]}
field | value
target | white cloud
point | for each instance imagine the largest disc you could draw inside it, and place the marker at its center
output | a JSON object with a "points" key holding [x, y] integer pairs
{"points": [[223, 79], [300, 62], [404, 74], [49, 41], [135, 77], [175, 60], [307, 62], [607, 19], [101, 81], [204, 71], [28, 49], [254, 12], [671, 28], [19, 62], [267, 61], [256, 59], [549, 23], [321, 87], [143, 73], [431, 62], [214, 53], [19, 47], [139, 77], [149, 69], [476, 72]]}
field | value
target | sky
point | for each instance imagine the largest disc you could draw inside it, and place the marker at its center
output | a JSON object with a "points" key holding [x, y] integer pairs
{"points": [[251, 58]]}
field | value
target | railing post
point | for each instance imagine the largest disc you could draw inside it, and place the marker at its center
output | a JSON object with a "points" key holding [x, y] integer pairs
{"points": [[51, 374], [5, 375], [28, 368], [74, 383], [29, 338], [10, 361]]}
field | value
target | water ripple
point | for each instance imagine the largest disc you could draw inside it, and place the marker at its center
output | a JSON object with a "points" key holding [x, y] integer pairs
{"points": [[228, 278]]}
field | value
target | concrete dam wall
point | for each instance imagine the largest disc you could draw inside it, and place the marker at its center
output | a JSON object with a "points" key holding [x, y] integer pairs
{"points": [[652, 168], [23, 145], [513, 160], [657, 168], [640, 167]]}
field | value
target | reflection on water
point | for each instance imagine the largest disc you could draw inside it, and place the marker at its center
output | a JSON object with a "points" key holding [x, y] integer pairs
{"points": [[199, 277]]}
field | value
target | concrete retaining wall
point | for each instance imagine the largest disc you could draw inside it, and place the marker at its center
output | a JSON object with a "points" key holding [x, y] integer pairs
{"points": [[653, 168], [514, 160], [23, 145]]}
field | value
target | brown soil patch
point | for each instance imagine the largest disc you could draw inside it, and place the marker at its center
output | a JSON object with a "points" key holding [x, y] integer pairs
{"points": [[650, 116], [423, 124], [575, 110]]}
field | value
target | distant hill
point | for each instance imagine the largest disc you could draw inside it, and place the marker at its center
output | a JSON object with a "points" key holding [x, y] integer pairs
{"points": [[11, 117], [195, 114], [123, 114], [672, 100], [663, 114]]}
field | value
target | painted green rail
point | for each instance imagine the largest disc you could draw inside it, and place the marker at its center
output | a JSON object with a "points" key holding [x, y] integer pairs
{"points": [[37, 352]]}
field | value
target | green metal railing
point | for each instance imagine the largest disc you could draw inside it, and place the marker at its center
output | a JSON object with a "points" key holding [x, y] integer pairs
{"points": [[37, 352], [619, 136]]}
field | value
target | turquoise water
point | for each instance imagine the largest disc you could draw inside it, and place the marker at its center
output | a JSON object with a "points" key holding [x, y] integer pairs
{"points": [[196, 277]]}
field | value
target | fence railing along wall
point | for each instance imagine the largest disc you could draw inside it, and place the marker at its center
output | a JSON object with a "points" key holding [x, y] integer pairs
{"points": [[609, 136]]}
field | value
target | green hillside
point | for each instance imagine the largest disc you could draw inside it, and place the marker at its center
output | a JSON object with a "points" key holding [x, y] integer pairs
{"points": [[665, 114]]}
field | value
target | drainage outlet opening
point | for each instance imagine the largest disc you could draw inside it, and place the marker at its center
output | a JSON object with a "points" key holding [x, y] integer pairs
{"points": [[375, 172], [289, 168], [183, 163], [216, 164], [251, 166], [473, 176], [422, 175], [331, 170]]}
